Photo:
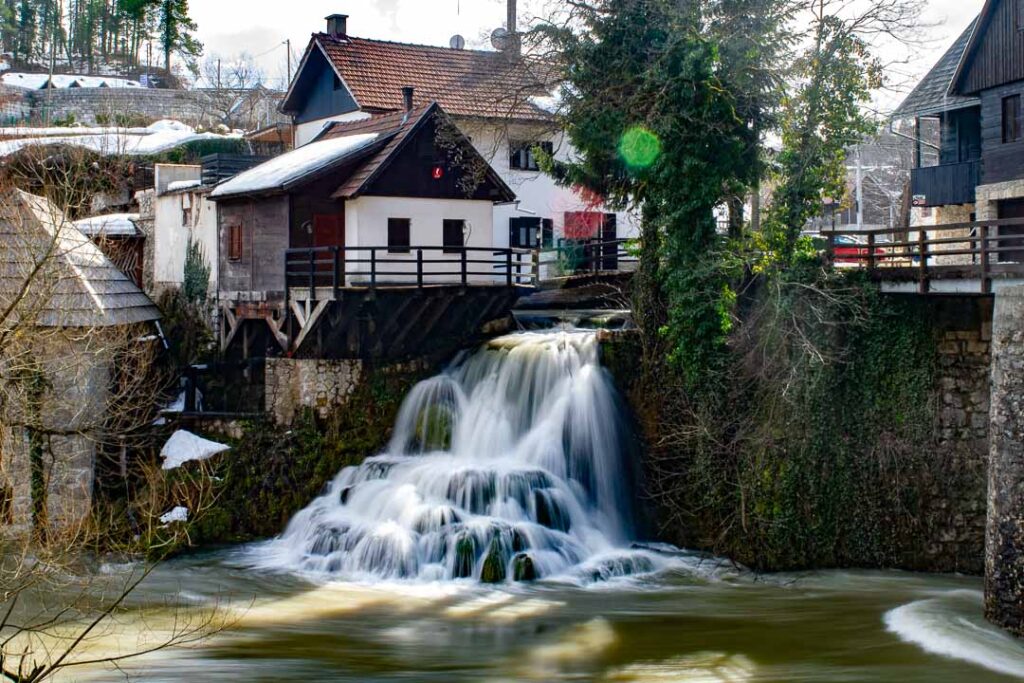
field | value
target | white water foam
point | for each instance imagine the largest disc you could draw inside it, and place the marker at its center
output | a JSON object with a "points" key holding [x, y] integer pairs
{"points": [[951, 625], [510, 464]]}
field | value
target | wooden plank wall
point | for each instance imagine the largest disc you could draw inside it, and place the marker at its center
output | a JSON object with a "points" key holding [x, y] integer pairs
{"points": [[1000, 161], [999, 58], [265, 239]]}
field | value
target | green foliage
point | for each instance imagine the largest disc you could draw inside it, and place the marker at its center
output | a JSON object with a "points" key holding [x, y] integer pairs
{"points": [[176, 32], [815, 451], [822, 117], [197, 274], [665, 113]]}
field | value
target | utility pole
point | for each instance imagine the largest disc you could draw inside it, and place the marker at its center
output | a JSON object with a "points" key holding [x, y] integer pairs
{"points": [[288, 43], [512, 23], [860, 194], [218, 74]]}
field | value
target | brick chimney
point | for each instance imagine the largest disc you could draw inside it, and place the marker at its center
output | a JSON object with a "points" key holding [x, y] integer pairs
{"points": [[407, 97], [337, 25]]}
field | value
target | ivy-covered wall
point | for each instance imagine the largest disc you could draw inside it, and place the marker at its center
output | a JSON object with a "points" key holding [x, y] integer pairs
{"points": [[274, 471], [851, 431]]}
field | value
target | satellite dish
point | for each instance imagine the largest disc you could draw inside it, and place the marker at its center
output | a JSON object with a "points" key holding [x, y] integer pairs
{"points": [[457, 42], [500, 39]]}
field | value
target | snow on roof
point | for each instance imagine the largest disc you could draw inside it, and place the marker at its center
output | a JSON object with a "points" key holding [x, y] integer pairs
{"points": [[185, 447], [158, 137], [179, 185], [294, 165], [113, 225], [38, 81]]}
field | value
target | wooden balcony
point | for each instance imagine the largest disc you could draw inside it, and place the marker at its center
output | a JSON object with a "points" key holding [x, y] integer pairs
{"points": [[948, 184]]}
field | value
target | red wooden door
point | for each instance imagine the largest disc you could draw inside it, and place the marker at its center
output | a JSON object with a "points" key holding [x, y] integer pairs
{"points": [[329, 231]]}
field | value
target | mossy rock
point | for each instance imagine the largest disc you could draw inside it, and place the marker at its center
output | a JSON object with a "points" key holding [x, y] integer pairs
{"points": [[523, 569], [494, 569], [434, 428], [465, 555]]}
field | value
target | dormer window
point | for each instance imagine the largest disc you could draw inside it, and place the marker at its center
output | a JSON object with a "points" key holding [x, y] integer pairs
{"points": [[337, 82], [522, 157]]}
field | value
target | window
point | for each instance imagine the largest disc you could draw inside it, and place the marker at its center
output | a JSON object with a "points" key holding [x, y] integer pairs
{"points": [[186, 216], [521, 154], [454, 236], [1011, 119], [531, 233], [337, 82], [398, 235], [235, 242]]}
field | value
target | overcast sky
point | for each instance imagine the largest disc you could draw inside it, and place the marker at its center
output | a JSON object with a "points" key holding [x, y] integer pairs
{"points": [[259, 27]]}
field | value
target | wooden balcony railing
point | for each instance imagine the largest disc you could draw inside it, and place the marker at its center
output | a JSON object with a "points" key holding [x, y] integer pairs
{"points": [[980, 250], [946, 184], [338, 268], [590, 256]]}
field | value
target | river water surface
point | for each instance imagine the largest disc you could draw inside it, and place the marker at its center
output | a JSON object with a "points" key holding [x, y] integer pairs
{"points": [[494, 540]]}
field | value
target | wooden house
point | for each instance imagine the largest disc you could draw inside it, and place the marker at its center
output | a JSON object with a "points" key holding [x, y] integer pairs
{"points": [[501, 100], [395, 201], [974, 95]]}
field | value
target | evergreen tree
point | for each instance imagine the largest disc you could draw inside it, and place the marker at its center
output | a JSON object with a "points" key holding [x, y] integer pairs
{"points": [[666, 119], [176, 29]]}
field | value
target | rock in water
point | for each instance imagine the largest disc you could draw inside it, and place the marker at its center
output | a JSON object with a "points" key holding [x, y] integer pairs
{"points": [[494, 565], [523, 569], [465, 554]]}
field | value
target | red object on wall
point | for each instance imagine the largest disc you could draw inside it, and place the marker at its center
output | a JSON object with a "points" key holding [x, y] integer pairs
{"points": [[438, 172], [580, 225]]}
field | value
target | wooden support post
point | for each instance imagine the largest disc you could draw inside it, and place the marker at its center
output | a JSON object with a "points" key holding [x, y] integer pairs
{"points": [[373, 268], [337, 271], [508, 268], [922, 253], [312, 274], [830, 250], [871, 252], [465, 280], [986, 278], [419, 268], [535, 257]]}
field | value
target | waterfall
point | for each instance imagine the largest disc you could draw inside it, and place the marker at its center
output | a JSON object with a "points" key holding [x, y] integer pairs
{"points": [[510, 465]]}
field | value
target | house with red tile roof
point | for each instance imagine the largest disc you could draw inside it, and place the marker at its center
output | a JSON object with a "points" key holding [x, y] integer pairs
{"points": [[501, 101]]}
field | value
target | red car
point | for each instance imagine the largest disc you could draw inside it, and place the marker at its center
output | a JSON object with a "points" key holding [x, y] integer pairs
{"points": [[853, 250]]}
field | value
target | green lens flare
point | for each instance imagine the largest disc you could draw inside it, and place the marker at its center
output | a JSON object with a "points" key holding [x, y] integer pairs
{"points": [[639, 147]]}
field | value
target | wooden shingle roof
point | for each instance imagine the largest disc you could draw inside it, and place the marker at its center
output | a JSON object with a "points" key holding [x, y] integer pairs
{"points": [[931, 96], [470, 83], [56, 276]]}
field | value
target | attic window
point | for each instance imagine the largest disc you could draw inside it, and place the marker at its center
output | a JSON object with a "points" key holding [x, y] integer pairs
{"points": [[235, 242], [337, 82], [522, 157]]}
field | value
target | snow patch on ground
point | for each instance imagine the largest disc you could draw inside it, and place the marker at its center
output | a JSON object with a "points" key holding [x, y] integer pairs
{"points": [[158, 137], [184, 446], [178, 514], [37, 81]]}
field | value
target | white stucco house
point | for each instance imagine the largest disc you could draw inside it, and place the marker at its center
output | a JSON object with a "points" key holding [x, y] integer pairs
{"points": [[498, 100], [176, 210]]}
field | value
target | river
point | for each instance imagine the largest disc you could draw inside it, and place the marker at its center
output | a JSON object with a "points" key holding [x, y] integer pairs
{"points": [[493, 541]]}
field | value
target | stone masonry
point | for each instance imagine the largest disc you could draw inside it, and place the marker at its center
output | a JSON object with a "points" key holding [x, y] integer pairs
{"points": [[1004, 560], [293, 384]]}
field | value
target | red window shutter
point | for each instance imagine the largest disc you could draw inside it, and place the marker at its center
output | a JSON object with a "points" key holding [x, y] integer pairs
{"points": [[581, 225]]}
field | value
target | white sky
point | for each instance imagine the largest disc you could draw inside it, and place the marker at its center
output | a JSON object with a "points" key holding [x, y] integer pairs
{"points": [[259, 27]]}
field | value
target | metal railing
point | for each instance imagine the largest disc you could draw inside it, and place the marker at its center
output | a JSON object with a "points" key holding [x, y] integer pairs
{"points": [[979, 250], [338, 268]]}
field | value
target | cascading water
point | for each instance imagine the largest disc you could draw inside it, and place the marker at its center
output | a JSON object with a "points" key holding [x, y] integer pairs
{"points": [[510, 465]]}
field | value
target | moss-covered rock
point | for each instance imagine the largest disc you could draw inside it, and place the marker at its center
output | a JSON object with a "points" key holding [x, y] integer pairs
{"points": [[523, 569], [494, 569], [465, 556]]}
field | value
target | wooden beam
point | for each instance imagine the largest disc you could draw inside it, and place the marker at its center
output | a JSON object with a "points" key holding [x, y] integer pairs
{"points": [[310, 323]]}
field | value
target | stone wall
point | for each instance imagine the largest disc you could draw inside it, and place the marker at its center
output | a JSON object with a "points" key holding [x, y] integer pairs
{"points": [[932, 517], [295, 384], [957, 514], [134, 106], [1004, 570]]}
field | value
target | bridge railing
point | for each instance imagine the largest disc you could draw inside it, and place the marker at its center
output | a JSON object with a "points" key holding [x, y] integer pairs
{"points": [[590, 256], [338, 268], [981, 250]]}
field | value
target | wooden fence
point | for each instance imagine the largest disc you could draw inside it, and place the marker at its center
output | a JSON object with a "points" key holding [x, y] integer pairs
{"points": [[978, 250]]}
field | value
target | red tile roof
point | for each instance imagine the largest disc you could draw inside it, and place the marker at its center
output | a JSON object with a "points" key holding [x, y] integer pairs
{"points": [[464, 82]]}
